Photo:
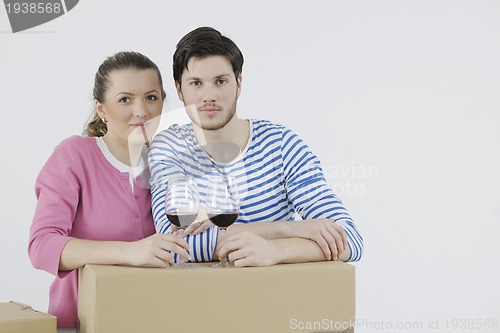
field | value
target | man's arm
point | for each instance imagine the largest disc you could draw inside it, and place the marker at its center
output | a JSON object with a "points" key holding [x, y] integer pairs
{"points": [[327, 226], [322, 232], [168, 157], [315, 201], [248, 249]]}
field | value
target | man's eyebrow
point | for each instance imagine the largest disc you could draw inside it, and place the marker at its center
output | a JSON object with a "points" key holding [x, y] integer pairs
{"points": [[190, 78], [222, 75]]}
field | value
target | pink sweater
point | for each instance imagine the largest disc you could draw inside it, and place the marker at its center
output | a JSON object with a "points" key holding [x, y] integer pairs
{"points": [[81, 195]]}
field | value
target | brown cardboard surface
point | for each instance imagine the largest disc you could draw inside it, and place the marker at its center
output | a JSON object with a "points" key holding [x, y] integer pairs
{"points": [[20, 318], [281, 298]]}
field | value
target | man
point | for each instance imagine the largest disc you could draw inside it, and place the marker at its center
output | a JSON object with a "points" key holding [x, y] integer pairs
{"points": [[276, 172]]}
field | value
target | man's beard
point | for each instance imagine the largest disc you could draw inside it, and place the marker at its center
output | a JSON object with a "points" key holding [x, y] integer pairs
{"points": [[208, 126]]}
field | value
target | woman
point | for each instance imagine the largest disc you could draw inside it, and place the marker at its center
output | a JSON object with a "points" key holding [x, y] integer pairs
{"points": [[93, 202]]}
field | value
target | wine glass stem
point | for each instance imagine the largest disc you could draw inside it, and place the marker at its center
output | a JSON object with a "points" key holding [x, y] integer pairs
{"points": [[222, 235], [181, 235]]}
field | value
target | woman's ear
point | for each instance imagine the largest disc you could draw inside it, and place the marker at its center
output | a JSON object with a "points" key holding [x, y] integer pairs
{"points": [[100, 109]]}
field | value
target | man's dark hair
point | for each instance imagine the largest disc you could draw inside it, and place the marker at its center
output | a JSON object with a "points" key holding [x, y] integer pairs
{"points": [[203, 42]]}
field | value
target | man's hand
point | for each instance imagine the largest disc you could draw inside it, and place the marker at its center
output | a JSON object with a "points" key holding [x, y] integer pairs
{"points": [[329, 236], [247, 249]]}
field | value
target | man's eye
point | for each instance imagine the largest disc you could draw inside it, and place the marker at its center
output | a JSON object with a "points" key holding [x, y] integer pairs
{"points": [[195, 83], [221, 81], [124, 100]]}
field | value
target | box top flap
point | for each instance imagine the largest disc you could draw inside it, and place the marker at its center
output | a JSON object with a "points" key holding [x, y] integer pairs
{"points": [[14, 311], [106, 270]]}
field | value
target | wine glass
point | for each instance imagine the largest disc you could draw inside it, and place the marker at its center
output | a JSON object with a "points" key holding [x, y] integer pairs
{"points": [[181, 207], [223, 206]]}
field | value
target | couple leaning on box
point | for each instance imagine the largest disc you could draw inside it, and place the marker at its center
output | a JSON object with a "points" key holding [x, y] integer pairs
{"points": [[95, 205]]}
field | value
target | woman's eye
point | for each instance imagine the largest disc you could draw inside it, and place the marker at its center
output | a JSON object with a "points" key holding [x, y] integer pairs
{"points": [[124, 100], [152, 98]]}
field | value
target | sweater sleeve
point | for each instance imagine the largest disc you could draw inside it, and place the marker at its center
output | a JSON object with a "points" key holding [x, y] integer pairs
{"points": [[169, 157], [57, 190], [309, 192]]}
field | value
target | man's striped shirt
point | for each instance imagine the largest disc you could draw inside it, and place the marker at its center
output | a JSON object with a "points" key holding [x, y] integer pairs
{"points": [[277, 176]]}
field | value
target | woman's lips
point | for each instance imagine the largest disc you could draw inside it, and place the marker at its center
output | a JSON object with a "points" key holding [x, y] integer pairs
{"points": [[142, 124]]}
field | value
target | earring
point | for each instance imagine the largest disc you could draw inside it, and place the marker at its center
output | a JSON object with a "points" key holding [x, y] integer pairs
{"points": [[104, 120]]}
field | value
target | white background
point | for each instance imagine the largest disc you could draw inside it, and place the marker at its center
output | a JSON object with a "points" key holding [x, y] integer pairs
{"points": [[399, 99]]}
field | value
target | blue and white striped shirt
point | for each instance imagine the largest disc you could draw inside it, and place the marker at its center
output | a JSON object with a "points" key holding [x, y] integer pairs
{"points": [[277, 175]]}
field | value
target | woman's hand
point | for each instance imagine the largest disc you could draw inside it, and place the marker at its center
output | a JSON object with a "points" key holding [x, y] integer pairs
{"points": [[197, 227], [155, 250], [201, 224]]}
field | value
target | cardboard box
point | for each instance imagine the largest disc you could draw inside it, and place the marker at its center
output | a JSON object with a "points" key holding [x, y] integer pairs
{"points": [[20, 318], [308, 297]]}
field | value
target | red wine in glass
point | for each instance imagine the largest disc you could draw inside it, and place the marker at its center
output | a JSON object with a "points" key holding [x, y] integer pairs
{"points": [[182, 220], [223, 220], [181, 206], [223, 206]]}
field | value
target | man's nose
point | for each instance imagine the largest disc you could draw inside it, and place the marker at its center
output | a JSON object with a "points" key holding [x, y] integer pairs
{"points": [[209, 94]]}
